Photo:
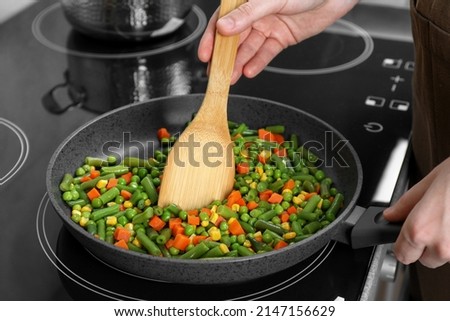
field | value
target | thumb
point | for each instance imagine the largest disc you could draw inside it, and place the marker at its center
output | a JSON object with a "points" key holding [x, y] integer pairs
{"points": [[401, 209]]}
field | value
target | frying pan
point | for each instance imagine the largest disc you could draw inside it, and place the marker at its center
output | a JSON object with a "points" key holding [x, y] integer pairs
{"points": [[130, 131]]}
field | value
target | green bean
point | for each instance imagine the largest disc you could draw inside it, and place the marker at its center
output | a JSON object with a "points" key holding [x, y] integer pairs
{"points": [[66, 183], [248, 228], [312, 203], [164, 236], [196, 252], [214, 252], [332, 211], [104, 212], [143, 217], [91, 227], [117, 170], [93, 182], [101, 229], [244, 251], [95, 161], [80, 202], [150, 189], [268, 215], [264, 225], [151, 233], [135, 248], [325, 188], [148, 244], [109, 195], [165, 252], [226, 212], [312, 227], [276, 129]]}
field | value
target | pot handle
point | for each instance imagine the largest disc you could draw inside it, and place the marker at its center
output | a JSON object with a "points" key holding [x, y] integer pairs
{"points": [[372, 229], [51, 104]]}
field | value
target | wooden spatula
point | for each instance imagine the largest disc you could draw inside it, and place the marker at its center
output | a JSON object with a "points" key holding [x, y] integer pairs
{"points": [[200, 166]]}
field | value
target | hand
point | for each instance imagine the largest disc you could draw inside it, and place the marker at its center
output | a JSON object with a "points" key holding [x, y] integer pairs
{"points": [[425, 210], [267, 27]]}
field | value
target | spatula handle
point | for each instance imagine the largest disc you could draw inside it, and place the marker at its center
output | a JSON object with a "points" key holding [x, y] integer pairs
{"points": [[222, 62]]}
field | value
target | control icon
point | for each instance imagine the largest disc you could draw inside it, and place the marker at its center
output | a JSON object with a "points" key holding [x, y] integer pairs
{"points": [[374, 101], [399, 105], [373, 127], [392, 63]]}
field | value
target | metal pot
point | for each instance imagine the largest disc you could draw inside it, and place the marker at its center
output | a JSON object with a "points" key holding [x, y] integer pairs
{"points": [[133, 20], [141, 121]]}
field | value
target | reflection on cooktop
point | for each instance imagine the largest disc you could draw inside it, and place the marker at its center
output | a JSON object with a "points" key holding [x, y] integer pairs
{"points": [[342, 46], [51, 28]]}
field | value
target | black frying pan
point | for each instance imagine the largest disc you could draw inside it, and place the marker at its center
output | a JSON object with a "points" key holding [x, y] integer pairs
{"points": [[130, 130]]}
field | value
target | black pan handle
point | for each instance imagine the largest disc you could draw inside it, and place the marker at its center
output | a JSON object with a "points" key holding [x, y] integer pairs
{"points": [[372, 229], [50, 102]]}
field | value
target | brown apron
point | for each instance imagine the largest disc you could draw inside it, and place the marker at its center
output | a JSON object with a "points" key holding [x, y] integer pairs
{"points": [[431, 117]]}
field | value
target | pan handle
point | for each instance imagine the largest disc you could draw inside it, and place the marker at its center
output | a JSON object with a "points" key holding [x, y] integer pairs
{"points": [[50, 102], [372, 229]]}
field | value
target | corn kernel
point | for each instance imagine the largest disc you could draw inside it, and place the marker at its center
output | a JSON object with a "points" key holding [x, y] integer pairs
{"points": [[286, 226], [263, 177], [319, 206], [76, 212], [259, 170], [289, 235], [249, 181], [214, 233], [214, 209], [253, 185], [214, 217], [257, 235], [296, 200], [303, 193], [147, 202], [137, 243], [235, 207], [129, 227], [286, 190], [86, 209], [247, 243], [127, 204], [111, 220], [101, 183], [204, 223], [224, 248], [83, 221]]}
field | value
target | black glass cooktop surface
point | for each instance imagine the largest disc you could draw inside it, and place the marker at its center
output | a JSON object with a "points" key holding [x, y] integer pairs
{"points": [[352, 76]]}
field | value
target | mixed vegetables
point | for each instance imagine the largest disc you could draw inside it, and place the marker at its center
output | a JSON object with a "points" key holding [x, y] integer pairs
{"points": [[279, 197]]}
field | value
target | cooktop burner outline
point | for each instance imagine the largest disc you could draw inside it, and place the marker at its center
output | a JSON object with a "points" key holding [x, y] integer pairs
{"points": [[66, 271], [24, 149], [56, 9], [352, 29]]}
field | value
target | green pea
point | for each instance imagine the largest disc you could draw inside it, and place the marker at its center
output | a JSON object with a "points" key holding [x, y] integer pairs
{"points": [[80, 171], [122, 220], [174, 251], [96, 202], [183, 215], [223, 226], [67, 196], [189, 229]]}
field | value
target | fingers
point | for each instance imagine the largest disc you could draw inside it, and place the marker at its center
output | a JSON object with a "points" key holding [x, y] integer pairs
{"points": [[243, 17], [206, 44]]}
